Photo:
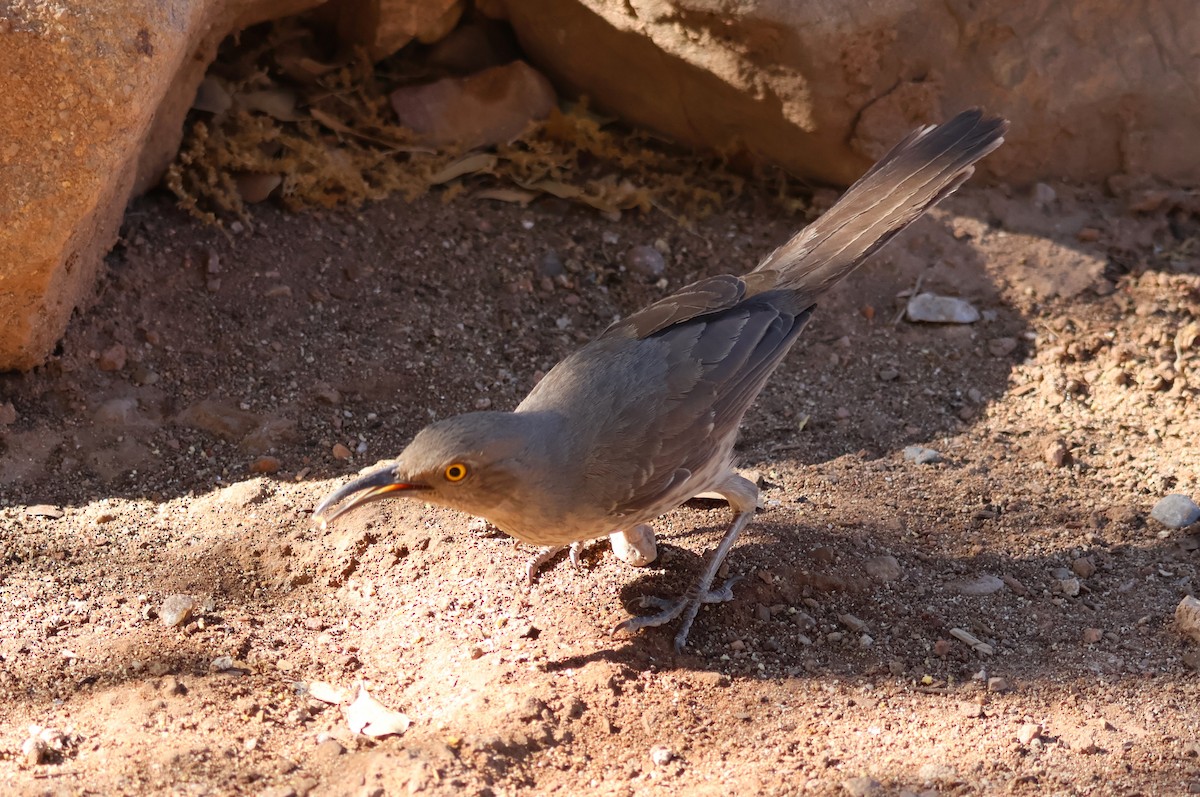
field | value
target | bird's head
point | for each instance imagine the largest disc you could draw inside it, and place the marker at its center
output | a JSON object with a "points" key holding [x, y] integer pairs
{"points": [[468, 462]]}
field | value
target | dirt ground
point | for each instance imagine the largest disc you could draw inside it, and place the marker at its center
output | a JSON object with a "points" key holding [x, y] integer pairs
{"points": [[222, 384]]}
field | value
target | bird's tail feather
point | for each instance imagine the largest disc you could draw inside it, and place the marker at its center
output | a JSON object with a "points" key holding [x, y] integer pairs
{"points": [[918, 172]]}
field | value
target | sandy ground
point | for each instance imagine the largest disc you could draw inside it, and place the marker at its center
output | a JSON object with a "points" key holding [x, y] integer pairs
{"points": [[222, 384]]}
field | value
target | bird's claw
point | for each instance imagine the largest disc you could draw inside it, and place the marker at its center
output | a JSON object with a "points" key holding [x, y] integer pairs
{"points": [[543, 557], [687, 605]]}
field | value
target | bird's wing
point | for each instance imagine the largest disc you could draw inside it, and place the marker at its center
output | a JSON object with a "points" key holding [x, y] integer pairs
{"points": [[704, 297], [714, 366]]}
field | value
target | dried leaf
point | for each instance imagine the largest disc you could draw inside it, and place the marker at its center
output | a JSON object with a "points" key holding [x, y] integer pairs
{"points": [[337, 126], [256, 187], [212, 96], [554, 188], [469, 164], [44, 510], [507, 195], [279, 104], [368, 716]]}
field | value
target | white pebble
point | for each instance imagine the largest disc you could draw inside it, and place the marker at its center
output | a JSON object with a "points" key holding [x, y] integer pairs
{"points": [[933, 309], [661, 755]]}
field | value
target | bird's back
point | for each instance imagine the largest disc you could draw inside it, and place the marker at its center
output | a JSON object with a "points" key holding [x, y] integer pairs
{"points": [[654, 403]]}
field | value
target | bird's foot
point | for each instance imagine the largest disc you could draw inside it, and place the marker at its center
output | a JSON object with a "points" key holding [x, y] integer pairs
{"points": [[636, 547], [543, 557], [688, 605]]}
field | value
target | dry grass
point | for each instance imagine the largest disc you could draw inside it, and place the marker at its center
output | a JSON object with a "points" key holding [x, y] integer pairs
{"points": [[327, 133]]}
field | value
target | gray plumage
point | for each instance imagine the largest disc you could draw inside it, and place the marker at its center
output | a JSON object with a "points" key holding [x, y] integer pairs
{"points": [[645, 416]]}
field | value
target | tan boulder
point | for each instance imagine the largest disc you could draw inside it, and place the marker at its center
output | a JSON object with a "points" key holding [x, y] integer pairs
{"points": [[384, 26], [487, 108], [1093, 87], [94, 99]]}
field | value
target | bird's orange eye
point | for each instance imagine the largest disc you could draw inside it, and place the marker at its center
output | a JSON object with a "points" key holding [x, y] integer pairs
{"points": [[456, 472]]}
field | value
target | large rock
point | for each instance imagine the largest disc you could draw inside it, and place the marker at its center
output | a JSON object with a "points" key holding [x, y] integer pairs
{"points": [[823, 87], [384, 26], [94, 99], [95, 95]]}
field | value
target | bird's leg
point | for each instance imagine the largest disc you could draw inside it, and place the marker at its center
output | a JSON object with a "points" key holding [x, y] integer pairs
{"points": [[636, 546], [537, 562], [742, 495]]}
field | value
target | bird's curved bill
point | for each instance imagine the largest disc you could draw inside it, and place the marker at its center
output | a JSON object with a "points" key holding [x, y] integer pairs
{"points": [[371, 487]]}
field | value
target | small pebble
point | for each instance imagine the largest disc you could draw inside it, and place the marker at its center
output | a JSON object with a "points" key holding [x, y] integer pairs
{"points": [[944, 774], [1015, 585], [762, 612], [804, 621], [1028, 732], [661, 755], [172, 686], [327, 394], [1083, 567], [340, 451], [983, 584], [645, 261], [1067, 586], [969, 708], [176, 610], [1002, 347], [823, 554], [222, 663], [113, 358], [1043, 195], [265, 464], [921, 455], [933, 309], [862, 787], [328, 751], [998, 683], [883, 568], [1056, 454], [1187, 617], [853, 623], [35, 751], [550, 265], [1176, 511], [1092, 635]]}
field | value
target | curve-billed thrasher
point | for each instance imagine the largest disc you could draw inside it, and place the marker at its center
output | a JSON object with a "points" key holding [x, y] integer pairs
{"points": [[644, 417]]}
